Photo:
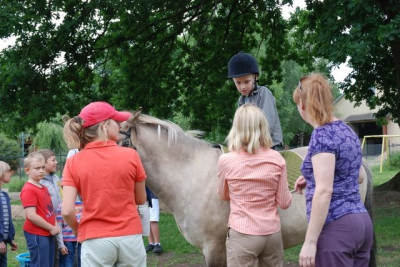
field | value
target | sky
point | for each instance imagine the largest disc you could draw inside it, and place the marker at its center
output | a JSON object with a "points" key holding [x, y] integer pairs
{"points": [[6, 42], [338, 73]]}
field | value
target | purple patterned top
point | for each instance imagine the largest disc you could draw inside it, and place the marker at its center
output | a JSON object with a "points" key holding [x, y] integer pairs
{"points": [[339, 139]]}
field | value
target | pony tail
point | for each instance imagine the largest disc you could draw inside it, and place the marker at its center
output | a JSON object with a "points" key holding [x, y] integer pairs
{"points": [[319, 100], [74, 133]]}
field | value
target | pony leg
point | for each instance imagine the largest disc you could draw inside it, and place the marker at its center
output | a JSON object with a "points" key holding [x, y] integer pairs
{"points": [[215, 253]]}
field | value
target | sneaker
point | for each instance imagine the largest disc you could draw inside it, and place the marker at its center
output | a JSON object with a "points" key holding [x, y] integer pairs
{"points": [[149, 247], [157, 248]]}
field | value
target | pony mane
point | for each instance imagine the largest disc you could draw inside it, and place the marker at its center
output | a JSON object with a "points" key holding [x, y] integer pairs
{"points": [[175, 132]]}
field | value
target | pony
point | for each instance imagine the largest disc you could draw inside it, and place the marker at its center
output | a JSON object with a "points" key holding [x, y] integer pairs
{"points": [[182, 171]]}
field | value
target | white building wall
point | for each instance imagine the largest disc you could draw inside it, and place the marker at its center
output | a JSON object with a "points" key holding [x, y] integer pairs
{"points": [[344, 108]]}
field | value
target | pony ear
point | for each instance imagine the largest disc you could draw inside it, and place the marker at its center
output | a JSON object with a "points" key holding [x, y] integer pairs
{"points": [[65, 118], [135, 115]]}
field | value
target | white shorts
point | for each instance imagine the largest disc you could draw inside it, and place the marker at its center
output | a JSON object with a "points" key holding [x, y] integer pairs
{"points": [[144, 214], [155, 210]]}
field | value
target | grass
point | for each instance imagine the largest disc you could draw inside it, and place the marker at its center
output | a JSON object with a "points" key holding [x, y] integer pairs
{"points": [[16, 202], [20, 239], [387, 237], [173, 243], [380, 178], [178, 251], [387, 232]]}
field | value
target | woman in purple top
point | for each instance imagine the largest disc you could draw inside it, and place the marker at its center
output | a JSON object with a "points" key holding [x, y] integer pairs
{"points": [[340, 231]]}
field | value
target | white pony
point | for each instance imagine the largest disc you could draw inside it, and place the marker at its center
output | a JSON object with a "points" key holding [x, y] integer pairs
{"points": [[182, 172]]}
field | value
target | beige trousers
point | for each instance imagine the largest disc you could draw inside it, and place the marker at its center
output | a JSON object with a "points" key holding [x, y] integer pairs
{"points": [[123, 251], [252, 250]]}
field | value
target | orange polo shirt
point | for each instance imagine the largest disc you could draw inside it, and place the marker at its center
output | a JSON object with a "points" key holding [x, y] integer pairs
{"points": [[105, 175], [256, 185]]}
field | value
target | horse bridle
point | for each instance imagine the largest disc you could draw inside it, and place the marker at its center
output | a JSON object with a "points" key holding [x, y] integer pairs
{"points": [[127, 141]]}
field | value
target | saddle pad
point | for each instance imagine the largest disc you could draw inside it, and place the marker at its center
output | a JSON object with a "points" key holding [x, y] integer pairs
{"points": [[293, 162], [293, 159]]}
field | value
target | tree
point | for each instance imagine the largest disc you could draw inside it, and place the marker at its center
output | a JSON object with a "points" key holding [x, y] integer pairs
{"points": [[49, 136], [166, 56], [291, 122], [364, 32], [9, 151]]}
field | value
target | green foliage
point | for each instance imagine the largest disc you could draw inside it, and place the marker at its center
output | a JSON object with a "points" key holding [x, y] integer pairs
{"points": [[394, 161], [366, 33], [9, 151], [165, 56], [382, 121], [182, 121], [170, 57], [49, 136], [218, 135], [16, 185]]}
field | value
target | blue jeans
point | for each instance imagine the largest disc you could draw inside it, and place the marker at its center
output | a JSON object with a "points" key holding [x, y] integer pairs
{"points": [[74, 252], [41, 248]]}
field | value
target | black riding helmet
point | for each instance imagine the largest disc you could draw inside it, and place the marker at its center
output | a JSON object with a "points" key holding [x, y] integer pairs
{"points": [[242, 64]]}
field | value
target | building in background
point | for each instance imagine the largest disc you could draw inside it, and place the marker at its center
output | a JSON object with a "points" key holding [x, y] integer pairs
{"points": [[362, 120]]}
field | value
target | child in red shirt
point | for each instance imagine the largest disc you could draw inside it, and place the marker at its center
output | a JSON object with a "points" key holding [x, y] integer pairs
{"points": [[40, 224]]}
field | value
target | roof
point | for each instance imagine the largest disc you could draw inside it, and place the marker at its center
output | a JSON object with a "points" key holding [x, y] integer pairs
{"points": [[338, 98], [361, 117]]}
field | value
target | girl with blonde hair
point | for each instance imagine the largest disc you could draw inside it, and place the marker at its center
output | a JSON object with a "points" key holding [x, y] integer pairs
{"points": [[253, 177], [111, 181], [7, 230]]}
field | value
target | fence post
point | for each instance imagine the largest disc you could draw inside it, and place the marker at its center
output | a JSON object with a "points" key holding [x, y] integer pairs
{"points": [[21, 163]]}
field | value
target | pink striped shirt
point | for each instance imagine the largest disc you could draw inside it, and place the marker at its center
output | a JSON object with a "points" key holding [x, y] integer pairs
{"points": [[255, 185]]}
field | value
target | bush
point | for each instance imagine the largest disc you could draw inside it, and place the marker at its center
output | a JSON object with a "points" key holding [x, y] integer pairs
{"points": [[9, 149], [16, 185], [394, 160]]}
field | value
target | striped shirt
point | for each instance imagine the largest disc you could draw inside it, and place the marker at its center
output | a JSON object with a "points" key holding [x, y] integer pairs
{"points": [[6, 216], [68, 234], [256, 185]]}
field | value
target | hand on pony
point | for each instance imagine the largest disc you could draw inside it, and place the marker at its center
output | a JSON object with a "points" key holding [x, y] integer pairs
{"points": [[300, 184]]}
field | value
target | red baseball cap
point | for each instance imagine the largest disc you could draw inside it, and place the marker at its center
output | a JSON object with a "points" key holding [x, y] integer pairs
{"points": [[97, 112]]}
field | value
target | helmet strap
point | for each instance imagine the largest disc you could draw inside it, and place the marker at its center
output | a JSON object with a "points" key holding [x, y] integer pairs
{"points": [[255, 81]]}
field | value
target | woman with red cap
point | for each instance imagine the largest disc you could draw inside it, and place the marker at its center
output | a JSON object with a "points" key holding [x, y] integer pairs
{"points": [[111, 182]]}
